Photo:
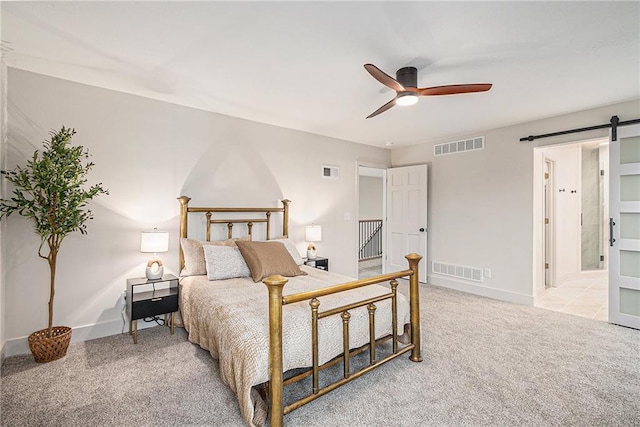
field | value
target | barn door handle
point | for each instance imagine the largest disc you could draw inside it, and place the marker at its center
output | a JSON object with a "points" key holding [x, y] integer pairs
{"points": [[421, 230], [611, 239]]}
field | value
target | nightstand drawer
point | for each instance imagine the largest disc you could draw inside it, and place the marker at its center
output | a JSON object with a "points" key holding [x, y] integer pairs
{"points": [[320, 263], [154, 306]]}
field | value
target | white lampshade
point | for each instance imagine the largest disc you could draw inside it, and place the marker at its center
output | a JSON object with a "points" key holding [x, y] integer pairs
{"points": [[313, 233], [154, 241]]}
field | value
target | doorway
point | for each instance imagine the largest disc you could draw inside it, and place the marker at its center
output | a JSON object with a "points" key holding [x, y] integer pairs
{"points": [[572, 182], [371, 207], [392, 205]]}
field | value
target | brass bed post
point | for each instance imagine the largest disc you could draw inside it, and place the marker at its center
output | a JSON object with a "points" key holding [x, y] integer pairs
{"points": [[275, 284], [394, 314], [268, 215], [285, 217], [414, 295], [345, 342], [314, 304], [208, 233], [372, 333], [184, 210]]}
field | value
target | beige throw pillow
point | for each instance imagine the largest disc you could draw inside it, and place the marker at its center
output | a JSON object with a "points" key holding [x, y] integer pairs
{"points": [[268, 258]]}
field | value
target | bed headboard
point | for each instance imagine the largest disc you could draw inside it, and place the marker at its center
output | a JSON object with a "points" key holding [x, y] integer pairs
{"points": [[259, 215]]}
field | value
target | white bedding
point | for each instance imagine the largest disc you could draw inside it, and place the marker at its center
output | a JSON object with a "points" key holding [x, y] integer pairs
{"points": [[230, 318]]}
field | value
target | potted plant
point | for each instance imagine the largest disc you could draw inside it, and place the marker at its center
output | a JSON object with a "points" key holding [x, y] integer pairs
{"points": [[51, 191]]}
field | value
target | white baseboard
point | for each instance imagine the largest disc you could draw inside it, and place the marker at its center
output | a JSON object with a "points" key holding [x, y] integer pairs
{"points": [[20, 345], [478, 289], [17, 346]]}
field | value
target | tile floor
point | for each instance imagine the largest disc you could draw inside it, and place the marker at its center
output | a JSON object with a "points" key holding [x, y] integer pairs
{"points": [[582, 297]]}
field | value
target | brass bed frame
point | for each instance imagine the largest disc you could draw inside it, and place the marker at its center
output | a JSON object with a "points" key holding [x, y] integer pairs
{"points": [[275, 285]]}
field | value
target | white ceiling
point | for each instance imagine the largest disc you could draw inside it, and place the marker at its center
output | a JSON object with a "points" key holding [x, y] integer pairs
{"points": [[300, 64]]}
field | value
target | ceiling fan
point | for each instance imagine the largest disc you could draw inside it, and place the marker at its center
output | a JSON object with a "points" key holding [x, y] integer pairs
{"points": [[407, 93]]}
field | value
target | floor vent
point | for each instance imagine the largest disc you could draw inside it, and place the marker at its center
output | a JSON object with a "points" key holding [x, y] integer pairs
{"points": [[471, 144], [459, 271]]}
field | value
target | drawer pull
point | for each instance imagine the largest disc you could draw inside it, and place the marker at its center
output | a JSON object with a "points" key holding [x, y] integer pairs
{"points": [[156, 299]]}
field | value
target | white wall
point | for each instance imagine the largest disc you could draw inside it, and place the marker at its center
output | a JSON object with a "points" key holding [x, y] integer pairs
{"points": [[371, 190], [481, 202], [147, 153]]}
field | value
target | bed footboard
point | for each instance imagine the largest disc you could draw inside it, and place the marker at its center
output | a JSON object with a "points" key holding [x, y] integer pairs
{"points": [[275, 285]]}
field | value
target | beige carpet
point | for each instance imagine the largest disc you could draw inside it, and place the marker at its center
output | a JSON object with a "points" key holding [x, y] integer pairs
{"points": [[486, 363], [369, 267]]}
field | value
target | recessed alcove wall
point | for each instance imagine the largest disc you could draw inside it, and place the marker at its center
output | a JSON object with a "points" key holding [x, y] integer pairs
{"points": [[148, 153]]}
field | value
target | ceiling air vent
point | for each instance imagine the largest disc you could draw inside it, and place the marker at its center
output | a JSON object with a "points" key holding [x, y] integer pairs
{"points": [[471, 144], [459, 271]]}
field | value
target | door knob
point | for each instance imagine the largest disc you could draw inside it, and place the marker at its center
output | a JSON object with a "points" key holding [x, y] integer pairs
{"points": [[421, 230]]}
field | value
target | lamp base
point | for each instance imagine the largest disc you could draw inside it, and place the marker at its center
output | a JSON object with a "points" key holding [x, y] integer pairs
{"points": [[312, 254], [154, 273]]}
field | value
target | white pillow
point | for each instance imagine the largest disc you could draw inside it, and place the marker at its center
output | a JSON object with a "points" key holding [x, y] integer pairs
{"points": [[224, 262], [291, 248]]}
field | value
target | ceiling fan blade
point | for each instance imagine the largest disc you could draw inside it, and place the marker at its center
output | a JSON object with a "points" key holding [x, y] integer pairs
{"points": [[382, 109], [454, 89], [384, 78]]}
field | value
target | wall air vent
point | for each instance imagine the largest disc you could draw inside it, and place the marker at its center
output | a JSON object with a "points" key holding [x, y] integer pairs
{"points": [[471, 144], [459, 271], [330, 172]]}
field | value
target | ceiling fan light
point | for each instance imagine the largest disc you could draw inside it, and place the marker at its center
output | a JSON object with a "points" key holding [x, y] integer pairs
{"points": [[406, 98]]}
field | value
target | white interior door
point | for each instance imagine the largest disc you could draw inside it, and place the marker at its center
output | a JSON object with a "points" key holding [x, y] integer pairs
{"points": [[406, 217], [624, 226]]}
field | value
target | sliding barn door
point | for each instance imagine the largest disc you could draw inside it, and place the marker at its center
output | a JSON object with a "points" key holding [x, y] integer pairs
{"points": [[406, 217], [624, 226]]}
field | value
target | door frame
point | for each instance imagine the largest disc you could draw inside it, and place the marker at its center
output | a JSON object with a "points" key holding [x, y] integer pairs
{"points": [[548, 234], [538, 282], [539, 159]]}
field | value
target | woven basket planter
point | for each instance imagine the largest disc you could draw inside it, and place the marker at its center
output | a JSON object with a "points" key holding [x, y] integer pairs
{"points": [[47, 349]]}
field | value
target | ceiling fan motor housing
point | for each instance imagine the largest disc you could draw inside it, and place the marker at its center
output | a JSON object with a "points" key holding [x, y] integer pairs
{"points": [[407, 76]]}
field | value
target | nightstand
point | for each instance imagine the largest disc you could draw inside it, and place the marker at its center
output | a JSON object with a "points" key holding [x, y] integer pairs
{"points": [[319, 263], [149, 298]]}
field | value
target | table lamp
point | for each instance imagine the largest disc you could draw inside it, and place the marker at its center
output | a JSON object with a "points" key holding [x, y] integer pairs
{"points": [[154, 242], [313, 233]]}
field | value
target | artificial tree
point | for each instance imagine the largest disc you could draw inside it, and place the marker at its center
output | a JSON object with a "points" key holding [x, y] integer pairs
{"points": [[51, 190]]}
